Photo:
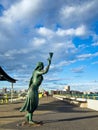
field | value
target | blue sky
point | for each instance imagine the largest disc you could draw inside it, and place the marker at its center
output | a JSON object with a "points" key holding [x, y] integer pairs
{"points": [[30, 29]]}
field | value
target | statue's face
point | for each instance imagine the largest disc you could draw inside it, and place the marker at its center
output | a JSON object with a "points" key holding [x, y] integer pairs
{"points": [[40, 65]]}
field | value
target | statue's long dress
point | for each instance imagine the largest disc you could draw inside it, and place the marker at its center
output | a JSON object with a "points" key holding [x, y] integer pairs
{"points": [[32, 98], [31, 102]]}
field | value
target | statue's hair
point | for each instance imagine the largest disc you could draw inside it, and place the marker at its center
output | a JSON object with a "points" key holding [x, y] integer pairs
{"points": [[39, 64]]}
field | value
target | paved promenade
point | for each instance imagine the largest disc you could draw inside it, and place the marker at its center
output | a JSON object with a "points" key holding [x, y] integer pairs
{"points": [[55, 115]]}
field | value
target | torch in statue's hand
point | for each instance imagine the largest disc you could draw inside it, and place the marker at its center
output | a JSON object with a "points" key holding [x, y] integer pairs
{"points": [[50, 57]]}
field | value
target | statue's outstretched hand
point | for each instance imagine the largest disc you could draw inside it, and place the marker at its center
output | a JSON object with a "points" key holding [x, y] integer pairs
{"points": [[49, 60]]}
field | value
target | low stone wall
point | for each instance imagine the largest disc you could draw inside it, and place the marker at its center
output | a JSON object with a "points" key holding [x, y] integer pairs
{"points": [[81, 102], [75, 101], [92, 104]]}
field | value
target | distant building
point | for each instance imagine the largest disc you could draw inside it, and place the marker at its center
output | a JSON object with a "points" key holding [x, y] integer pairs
{"points": [[87, 92], [75, 92], [67, 89], [4, 90]]}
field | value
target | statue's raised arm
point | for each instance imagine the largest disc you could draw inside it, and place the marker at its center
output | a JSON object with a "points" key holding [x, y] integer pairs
{"points": [[44, 71]]}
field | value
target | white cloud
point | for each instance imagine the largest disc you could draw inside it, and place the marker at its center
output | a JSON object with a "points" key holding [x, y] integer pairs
{"points": [[80, 31], [95, 44], [62, 32], [45, 32], [79, 69], [77, 13], [21, 10], [62, 64], [12, 54], [84, 86], [95, 37], [85, 56], [67, 11], [7, 3], [37, 42]]}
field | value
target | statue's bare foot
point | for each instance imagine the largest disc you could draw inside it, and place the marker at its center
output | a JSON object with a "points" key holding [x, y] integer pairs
{"points": [[30, 123], [35, 123]]}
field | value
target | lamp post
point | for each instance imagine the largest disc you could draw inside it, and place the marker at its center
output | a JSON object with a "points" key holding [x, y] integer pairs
{"points": [[12, 93]]}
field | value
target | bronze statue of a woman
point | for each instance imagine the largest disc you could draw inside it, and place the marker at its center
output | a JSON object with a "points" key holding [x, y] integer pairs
{"points": [[32, 98]]}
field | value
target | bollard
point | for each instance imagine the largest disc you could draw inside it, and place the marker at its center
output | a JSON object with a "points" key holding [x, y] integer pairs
{"points": [[2, 101]]}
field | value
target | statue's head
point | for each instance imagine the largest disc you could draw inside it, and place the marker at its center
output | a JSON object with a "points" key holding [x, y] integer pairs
{"points": [[39, 66]]}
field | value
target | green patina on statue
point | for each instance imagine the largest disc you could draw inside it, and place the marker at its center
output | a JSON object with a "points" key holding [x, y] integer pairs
{"points": [[32, 98]]}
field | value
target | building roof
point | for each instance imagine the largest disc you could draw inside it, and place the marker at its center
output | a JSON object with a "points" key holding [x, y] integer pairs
{"points": [[5, 77]]}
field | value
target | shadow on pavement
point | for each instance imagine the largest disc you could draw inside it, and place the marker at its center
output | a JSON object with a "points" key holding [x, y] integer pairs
{"points": [[71, 119], [12, 116], [14, 124], [62, 106]]}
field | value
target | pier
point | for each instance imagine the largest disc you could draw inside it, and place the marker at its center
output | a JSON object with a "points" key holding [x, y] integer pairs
{"points": [[54, 113]]}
